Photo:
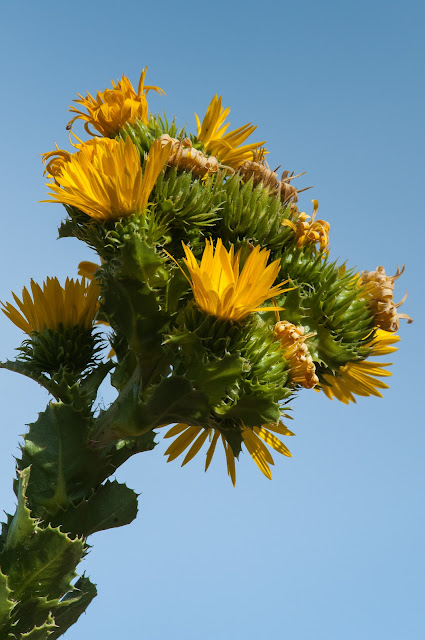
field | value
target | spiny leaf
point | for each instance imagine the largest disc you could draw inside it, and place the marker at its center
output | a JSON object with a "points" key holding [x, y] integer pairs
{"points": [[23, 525], [90, 384], [215, 375], [253, 410], [142, 262], [42, 632], [62, 463], [63, 385], [67, 616], [25, 369], [175, 400], [112, 505], [40, 573], [134, 312], [45, 566], [6, 603], [120, 451]]}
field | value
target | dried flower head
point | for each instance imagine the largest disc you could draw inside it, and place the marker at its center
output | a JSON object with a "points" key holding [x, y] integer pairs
{"points": [[260, 172], [296, 353], [186, 158], [379, 289]]}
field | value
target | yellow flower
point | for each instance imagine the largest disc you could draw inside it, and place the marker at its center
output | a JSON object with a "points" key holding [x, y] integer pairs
{"points": [[359, 378], [222, 291], [225, 146], [57, 159], [88, 269], [310, 232], [195, 437], [74, 305], [113, 108], [105, 180]]}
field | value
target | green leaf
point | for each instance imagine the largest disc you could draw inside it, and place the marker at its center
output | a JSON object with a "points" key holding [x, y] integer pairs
{"points": [[112, 505], [62, 463], [90, 384], [120, 451], [254, 411], [134, 312], [215, 376], [63, 386], [32, 611], [6, 604], [42, 632], [141, 262], [172, 400], [124, 371], [67, 616], [66, 229], [45, 566], [26, 369], [177, 287], [23, 525], [175, 400]]}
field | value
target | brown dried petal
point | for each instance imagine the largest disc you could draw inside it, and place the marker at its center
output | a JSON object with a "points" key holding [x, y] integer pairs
{"points": [[292, 342], [379, 288], [261, 173], [185, 157]]}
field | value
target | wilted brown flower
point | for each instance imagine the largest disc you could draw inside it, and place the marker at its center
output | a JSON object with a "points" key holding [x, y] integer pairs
{"points": [[379, 289], [292, 341]]}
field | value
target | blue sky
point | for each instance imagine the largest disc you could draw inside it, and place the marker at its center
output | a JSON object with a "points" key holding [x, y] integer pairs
{"points": [[333, 547]]}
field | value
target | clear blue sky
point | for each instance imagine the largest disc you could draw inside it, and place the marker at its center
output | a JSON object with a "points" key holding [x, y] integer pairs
{"points": [[332, 548]]}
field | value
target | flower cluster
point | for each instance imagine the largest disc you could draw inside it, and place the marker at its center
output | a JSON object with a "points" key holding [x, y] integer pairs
{"points": [[219, 294]]}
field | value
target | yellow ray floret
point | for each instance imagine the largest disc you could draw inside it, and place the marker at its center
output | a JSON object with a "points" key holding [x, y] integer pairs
{"points": [[361, 378], [105, 180], [56, 160], [226, 147], [193, 438], [113, 108], [310, 232], [88, 269], [221, 289], [52, 306]]}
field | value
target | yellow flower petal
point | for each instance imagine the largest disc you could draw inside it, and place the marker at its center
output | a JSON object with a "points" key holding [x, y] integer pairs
{"points": [[113, 108], [182, 442], [211, 448], [73, 305], [105, 180], [360, 378], [256, 452], [272, 441], [230, 459], [195, 437], [226, 147], [195, 447], [221, 290]]}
